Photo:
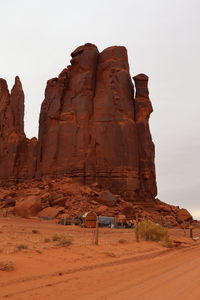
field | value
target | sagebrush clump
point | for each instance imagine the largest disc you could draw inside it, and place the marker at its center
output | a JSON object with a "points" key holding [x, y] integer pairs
{"points": [[63, 240], [150, 231], [6, 266], [22, 247], [47, 240], [110, 254]]}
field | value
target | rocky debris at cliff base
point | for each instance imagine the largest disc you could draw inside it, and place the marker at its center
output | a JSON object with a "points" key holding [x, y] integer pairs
{"points": [[53, 198]]}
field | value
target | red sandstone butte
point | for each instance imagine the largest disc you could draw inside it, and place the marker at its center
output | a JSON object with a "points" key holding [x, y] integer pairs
{"points": [[93, 126]]}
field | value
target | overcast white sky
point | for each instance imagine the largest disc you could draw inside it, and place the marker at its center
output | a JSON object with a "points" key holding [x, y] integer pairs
{"points": [[163, 41]]}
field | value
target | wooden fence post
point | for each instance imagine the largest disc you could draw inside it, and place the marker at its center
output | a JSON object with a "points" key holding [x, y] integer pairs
{"points": [[96, 236], [184, 227], [136, 229], [191, 230]]}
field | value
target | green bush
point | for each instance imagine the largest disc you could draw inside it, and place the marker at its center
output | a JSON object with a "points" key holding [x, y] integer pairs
{"points": [[150, 231]]}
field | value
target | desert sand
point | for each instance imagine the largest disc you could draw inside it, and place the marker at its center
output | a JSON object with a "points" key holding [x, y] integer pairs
{"points": [[118, 268]]}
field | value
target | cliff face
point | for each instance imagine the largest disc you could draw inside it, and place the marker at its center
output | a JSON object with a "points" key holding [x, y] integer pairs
{"points": [[64, 131], [114, 144], [93, 126]]}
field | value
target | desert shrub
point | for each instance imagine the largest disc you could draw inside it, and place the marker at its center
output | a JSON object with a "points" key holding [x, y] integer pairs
{"points": [[38, 251], [47, 240], [122, 241], [56, 237], [6, 266], [150, 231], [63, 240], [110, 254], [21, 247], [168, 242], [35, 231]]}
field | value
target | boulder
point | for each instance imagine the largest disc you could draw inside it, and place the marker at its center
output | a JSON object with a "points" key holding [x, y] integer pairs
{"points": [[86, 190], [28, 207], [46, 196], [33, 191], [128, 210], [183, 216], [121, 217], [60, 201], [9, 202], [56, 196], [164, 208], [169, 221], [49, 212], [106, 198], [101, 210]]}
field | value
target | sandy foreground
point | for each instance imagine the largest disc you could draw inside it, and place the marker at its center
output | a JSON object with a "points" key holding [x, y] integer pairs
{"points": [[119, 268]]}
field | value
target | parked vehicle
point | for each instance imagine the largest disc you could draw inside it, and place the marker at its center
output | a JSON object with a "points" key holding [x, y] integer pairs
{"points": [[106, 221]]}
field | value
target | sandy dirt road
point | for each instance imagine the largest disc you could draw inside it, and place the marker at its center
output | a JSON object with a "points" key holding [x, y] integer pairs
{"points": [[167, 275], [129, 271]]}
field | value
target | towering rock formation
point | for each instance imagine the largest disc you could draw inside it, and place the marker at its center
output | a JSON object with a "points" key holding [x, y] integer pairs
{"points": [[143, 109], [17, 158], [92, 126]]}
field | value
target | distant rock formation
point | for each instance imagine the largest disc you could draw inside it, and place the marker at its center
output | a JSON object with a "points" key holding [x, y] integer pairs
{"points": [[93, 126]]}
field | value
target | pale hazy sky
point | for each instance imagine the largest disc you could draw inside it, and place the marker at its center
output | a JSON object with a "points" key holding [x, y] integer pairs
{"points": [[163, 41]]}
